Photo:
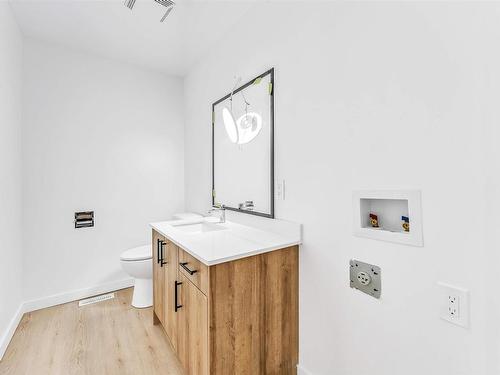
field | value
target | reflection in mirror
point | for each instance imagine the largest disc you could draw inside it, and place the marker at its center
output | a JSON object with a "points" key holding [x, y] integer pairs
{"points": [[243, 150]]}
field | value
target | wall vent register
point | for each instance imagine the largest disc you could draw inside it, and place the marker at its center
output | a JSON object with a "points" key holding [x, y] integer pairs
{"points": [[96, 299], [84, 219]]}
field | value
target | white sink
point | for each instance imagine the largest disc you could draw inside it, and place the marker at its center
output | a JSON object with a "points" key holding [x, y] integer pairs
{"points": [[199, 227]]}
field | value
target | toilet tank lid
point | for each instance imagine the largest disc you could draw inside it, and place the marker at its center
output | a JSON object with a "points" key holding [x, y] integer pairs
{"points": [[186, 216], [137, 253]]}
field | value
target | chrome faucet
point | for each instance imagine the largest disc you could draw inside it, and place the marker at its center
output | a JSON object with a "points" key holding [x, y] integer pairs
{"points": [[222, 212]]}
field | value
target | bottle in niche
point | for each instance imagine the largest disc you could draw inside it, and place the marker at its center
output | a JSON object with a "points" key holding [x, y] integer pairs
{"points": [[374, 220], [406, 223]]}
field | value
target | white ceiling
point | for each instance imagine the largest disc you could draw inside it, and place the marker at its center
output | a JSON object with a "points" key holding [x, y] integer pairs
{"points": [[109, 29]]}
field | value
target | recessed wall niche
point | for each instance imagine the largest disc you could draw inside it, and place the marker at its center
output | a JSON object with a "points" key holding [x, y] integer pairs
{"points": [[388, 215]]}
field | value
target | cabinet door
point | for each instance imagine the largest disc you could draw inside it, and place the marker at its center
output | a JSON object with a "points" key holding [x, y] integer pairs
{"points": [[158, 278], [192, 339], [171, 267]]}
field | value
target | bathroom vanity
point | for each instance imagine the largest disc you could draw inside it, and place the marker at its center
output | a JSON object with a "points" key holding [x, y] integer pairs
{"points": [[226, 295]]}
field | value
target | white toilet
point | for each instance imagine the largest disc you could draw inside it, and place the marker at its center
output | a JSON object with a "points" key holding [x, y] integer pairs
{"points": [[138, 263]]}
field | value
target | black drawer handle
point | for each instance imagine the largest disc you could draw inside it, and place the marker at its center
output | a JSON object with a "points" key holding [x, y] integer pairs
{"points": [[191, 272], [177, 306], [158, 258], [162, 263]]}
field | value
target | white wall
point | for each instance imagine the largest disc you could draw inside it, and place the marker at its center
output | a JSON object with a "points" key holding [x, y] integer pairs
{"points": [[372, 96], [490, 109], [11, 54], [98, 135]]}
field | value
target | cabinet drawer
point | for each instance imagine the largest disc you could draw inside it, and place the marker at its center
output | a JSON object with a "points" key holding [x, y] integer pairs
{"points": [[194, 270]]}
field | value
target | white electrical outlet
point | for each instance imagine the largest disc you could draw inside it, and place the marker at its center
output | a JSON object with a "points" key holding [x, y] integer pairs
{"points": [[454, 305]]}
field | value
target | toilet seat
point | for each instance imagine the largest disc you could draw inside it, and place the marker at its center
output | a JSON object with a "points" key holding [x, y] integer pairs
{"points": [[137, 253]]}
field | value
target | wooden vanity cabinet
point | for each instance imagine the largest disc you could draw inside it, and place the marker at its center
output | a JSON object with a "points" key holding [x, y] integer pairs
{"points": [[170, 268], [237, 317], [165, 263], [192, 337], [158, 280]]}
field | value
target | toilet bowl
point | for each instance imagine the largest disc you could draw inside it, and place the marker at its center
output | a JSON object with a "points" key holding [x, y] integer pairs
{"points": [[137, 262]]}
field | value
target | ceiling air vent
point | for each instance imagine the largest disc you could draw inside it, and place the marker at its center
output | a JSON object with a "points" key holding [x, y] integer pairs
{"points": [[169, 4]]}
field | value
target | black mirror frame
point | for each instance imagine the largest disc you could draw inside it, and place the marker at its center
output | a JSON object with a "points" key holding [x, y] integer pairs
{"points": [[270, 72]]}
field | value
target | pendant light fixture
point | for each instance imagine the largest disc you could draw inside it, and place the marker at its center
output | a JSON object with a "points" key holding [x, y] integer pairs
{"points": [[248, 125], [230, 124]]}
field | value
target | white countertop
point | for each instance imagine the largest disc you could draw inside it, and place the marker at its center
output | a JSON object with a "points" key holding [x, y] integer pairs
{"points": [[234, 241]]}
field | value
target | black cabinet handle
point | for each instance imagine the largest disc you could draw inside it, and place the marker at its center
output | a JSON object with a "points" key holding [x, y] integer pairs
{"points": [[177, 306], [157, 250], [162, 263], [191, 272]]}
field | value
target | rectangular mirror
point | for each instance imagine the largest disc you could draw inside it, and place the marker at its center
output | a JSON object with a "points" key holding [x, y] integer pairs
{"points": [[243, 148]]}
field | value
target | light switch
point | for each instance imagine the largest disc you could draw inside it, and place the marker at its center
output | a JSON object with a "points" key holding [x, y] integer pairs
{"points": [[280, 189]]}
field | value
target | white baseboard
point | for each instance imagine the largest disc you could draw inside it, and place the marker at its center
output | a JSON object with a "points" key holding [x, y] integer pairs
{"points": [[302, 371], [11, 329], [58, 299]]}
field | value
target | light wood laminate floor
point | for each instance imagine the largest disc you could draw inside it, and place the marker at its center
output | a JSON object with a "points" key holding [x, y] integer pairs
{"points": [[105, 338]]}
